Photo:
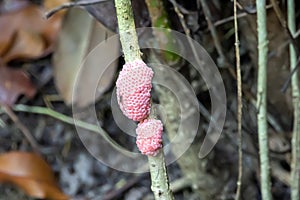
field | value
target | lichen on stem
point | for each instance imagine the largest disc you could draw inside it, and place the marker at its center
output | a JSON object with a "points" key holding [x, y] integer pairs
{"points": [[129, 41], [158, 172], [262, 100], [295, 172], [128, 36]]}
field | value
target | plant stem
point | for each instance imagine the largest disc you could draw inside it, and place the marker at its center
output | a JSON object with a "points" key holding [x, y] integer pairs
{"points": [[70, 120], [295, 176], [128, 36], [213, 31], [22, 128], [262, 100], [160, 184], [129, 41], [240, 105]]}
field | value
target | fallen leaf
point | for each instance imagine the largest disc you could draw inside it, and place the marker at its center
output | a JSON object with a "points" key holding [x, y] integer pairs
{"points": [[31, 173], [77, 81], [30, 21], [51, 4], [26, 45], [13, 83]]}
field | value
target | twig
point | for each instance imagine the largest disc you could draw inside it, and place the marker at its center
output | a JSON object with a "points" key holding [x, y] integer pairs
{"points": [[280, 173], [72, 4], [119, 191], [180, 184], [295, 165], [272, 120], [288, 81], [22, 128], [176, 186], [297, 34], [262, 100], [283, 23], [251, 11], [213, 31], [186, 30], [70, 120], [129, 41], [231, 18], [240, 103]]}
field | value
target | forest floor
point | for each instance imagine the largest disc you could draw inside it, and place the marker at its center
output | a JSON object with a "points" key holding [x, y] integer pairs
{"points": [[80, 175]]}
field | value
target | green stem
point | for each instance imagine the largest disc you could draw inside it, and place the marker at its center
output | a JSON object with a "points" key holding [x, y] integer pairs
{"points": [[129, 42], [128, 36], [262, 100], [72, 121], [160, 186], [295, 176]]}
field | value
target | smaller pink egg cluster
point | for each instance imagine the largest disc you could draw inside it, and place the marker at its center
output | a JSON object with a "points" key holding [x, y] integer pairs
{"points": [[149, 136], [133, 90]]}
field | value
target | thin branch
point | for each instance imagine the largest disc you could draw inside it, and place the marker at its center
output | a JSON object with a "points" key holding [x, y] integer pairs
{"points": [[297, 34], [250, 10], [114, 194], [72, 4], [240, 103], [186, 30], [231, 18], [288, 81], [22, 128], [69, 120], [283, 23], [262, 100], [271, 119], [295, 165], [213, 31]]}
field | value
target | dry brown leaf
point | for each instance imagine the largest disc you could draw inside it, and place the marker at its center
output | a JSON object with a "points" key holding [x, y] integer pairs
{"points": [[51, 4], [81, 34], [26, 45], [31, 173], [13, 83], [30, 20]]}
